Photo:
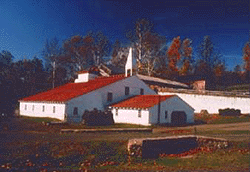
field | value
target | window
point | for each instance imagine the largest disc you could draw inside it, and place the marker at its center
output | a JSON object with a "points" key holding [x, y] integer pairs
{"points": [[128, 72], [166, 114], [116, 112], [54, 109], [43, 108], [33, 107], [126, 91], [110, 97], [25, 107], [142, 91], [75, 112], [139, 113]]}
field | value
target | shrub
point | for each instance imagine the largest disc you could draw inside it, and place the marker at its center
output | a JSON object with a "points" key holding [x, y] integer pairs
{"points": [[229, 112], [97, 117]]}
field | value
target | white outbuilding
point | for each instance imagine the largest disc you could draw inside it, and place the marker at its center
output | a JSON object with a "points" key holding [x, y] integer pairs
{"points": [[153, 109]]}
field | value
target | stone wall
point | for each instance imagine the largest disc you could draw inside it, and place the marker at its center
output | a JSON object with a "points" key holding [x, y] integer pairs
{"points": [[153, 147]]}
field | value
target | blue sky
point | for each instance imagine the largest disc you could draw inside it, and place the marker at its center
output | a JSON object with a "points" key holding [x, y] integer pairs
{"points": [[26, 24]]}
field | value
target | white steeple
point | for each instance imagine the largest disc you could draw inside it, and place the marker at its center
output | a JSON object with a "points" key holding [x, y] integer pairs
{"points": [[129, 64]]}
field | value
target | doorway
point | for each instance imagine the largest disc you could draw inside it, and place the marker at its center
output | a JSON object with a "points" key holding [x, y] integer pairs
{"points": [[178, 118]]}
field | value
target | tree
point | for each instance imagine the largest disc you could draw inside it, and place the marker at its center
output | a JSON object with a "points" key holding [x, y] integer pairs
{"points": [[85, 51], [186, 57], [6, 57], [50, 52], [173, 54], [101, 48], [148, 45], [208, 58], [79, 50], [152, 48], [119, 55], [116, 48], [179, 55], [246, 58], [209, 63]]}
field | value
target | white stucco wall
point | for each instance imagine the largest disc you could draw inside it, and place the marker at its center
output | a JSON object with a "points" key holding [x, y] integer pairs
{"points": [[98, 98], [153, 114], [213, 103], [176, 104], [170, 105], [130, 116], [37, 111]]}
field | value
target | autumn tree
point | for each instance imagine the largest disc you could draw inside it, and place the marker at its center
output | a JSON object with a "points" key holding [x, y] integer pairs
{"points": [[179, 55], [173, 54], [246, 58], [186, 53]]}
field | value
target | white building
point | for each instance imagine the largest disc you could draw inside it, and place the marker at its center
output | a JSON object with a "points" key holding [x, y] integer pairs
{"points": [[89, 91], [68, 102], [153, 109]]}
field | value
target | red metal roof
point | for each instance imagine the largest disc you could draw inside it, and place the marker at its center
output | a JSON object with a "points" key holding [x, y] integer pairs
{"points": [[142, 101], [72, 90]]}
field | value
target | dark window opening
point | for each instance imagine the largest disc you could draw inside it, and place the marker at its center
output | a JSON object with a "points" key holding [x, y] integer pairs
{"points": [[54, 109], [166, 114], [142, 91], [43, 108], [139, 113], [33, 107], [75, 112], [116, 112], [110, 97], [25, 107], [126, 91]]}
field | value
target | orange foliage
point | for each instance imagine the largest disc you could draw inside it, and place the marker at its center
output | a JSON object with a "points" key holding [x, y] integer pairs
{"points": [[174, 54], [246, 56], [178, 50]]}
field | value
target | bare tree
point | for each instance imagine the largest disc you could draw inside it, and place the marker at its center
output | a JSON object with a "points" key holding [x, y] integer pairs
{"points": [[147, 44]]}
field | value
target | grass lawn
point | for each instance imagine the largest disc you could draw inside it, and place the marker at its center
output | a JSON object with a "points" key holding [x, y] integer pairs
{"points": [[33, 147]]}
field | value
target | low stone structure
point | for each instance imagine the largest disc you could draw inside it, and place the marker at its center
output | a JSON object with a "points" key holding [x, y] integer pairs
{"points": [[152, 147]]}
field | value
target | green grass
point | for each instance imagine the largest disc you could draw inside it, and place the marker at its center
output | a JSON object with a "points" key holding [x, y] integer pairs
{"points": [[80, 126], [219, 160], [218, 119], [38, 120], [227, 120], [76, 148]]}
